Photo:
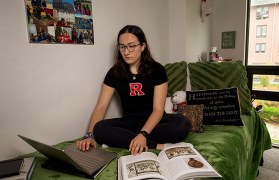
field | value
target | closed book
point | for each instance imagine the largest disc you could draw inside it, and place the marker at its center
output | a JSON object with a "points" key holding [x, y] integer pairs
{"points": [[26, 170], [10, 167]]}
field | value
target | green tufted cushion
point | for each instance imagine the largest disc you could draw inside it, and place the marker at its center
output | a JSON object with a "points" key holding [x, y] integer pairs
{"points": [[177, 75], [207, 75]]}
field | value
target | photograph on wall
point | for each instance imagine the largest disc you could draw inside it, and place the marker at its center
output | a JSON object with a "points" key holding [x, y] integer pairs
{"points": [[60, 21]]}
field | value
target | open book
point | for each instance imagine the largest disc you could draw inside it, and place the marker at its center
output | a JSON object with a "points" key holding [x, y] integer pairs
{"points": [[175, 162]]}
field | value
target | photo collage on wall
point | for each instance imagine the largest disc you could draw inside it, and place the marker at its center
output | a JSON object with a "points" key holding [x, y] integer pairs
{"points": [[60, 21]]}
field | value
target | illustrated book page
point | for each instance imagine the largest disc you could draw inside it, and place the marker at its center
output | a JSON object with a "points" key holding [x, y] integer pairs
{"points": [[175, 162], [183, 161], [143, 166]]}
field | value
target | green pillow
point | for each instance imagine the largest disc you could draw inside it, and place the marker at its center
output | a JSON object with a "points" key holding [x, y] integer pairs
{"points": [[208, 75], [177, 75]]}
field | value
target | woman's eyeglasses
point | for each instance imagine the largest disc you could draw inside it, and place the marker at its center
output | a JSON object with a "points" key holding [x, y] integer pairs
{"points": [[130, 47]]}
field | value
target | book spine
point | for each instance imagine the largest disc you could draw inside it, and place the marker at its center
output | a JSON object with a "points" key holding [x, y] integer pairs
{"points": [[29, 173]]}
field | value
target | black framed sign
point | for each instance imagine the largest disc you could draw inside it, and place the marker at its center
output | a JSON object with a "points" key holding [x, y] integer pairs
{"points": [[228, 40], [221, 106]]}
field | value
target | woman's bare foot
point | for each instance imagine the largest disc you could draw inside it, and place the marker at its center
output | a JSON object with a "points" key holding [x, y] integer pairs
{"points": [[160, 146]]}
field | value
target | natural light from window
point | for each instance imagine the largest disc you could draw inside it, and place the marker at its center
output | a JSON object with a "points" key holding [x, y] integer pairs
{"points": [[264, 33], [263, 51]]}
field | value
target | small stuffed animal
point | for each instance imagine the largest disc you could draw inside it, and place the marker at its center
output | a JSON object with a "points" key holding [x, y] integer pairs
{"points": [[168, 106], [178, 100]]}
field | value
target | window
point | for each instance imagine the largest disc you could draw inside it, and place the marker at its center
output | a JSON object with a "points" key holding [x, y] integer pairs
{"points": [[259, 13], [260, 48], [265, 13], [262, 13], [261, 31], [262, 59]]}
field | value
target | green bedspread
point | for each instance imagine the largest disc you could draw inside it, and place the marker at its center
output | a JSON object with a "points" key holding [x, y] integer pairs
{"points": [[234, 151]]}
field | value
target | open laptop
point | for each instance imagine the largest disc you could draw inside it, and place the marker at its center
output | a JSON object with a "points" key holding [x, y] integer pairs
{"points": [[72, 160]]}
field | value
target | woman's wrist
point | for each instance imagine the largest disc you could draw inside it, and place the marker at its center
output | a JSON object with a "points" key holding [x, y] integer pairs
{"points": [[145, 134], [89, 135]]}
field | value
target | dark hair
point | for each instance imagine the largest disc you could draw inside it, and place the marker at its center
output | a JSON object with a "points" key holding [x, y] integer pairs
{"points": [[121, 68]]}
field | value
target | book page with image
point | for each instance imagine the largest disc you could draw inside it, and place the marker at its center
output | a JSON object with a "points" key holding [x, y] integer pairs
{"points": [[141, 166], [182, 160]]}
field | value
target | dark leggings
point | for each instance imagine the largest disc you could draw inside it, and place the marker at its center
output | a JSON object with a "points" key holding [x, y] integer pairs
{"points": [[119, 132]]}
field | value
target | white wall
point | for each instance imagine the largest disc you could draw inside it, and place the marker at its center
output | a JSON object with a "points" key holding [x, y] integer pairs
{"points": [[199, 34], [177, 29], [230, 16], [190, 38], [47, 91]]}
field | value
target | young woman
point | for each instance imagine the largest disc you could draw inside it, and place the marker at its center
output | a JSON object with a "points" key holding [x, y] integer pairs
{"points": [[142, 85]]}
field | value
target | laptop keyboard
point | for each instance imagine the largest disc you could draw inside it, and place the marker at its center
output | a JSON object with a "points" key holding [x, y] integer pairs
{"points": [[88, 160]]}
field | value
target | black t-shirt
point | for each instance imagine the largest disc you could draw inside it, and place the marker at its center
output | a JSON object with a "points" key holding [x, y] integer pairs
{"points": [[137, 94]]}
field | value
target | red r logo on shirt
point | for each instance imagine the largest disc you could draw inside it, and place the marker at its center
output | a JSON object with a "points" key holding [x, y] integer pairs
{"points": [[136, 89]]}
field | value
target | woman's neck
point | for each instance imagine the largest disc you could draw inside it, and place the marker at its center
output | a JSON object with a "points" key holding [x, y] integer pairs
{"points": [[134, 68]]}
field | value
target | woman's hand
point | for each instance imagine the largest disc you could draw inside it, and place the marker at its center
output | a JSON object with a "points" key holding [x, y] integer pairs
{"points": [[85, 144], [138, 144]]}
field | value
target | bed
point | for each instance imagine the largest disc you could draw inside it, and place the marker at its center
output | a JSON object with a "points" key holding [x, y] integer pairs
{"points": [[234, 151]]}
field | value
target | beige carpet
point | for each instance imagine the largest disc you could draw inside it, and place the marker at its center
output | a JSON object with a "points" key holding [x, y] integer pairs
{"points": [[270, 168]]}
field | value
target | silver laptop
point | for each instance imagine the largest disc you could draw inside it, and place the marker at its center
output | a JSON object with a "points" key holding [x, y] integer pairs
{"points": [[88, 163]]}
